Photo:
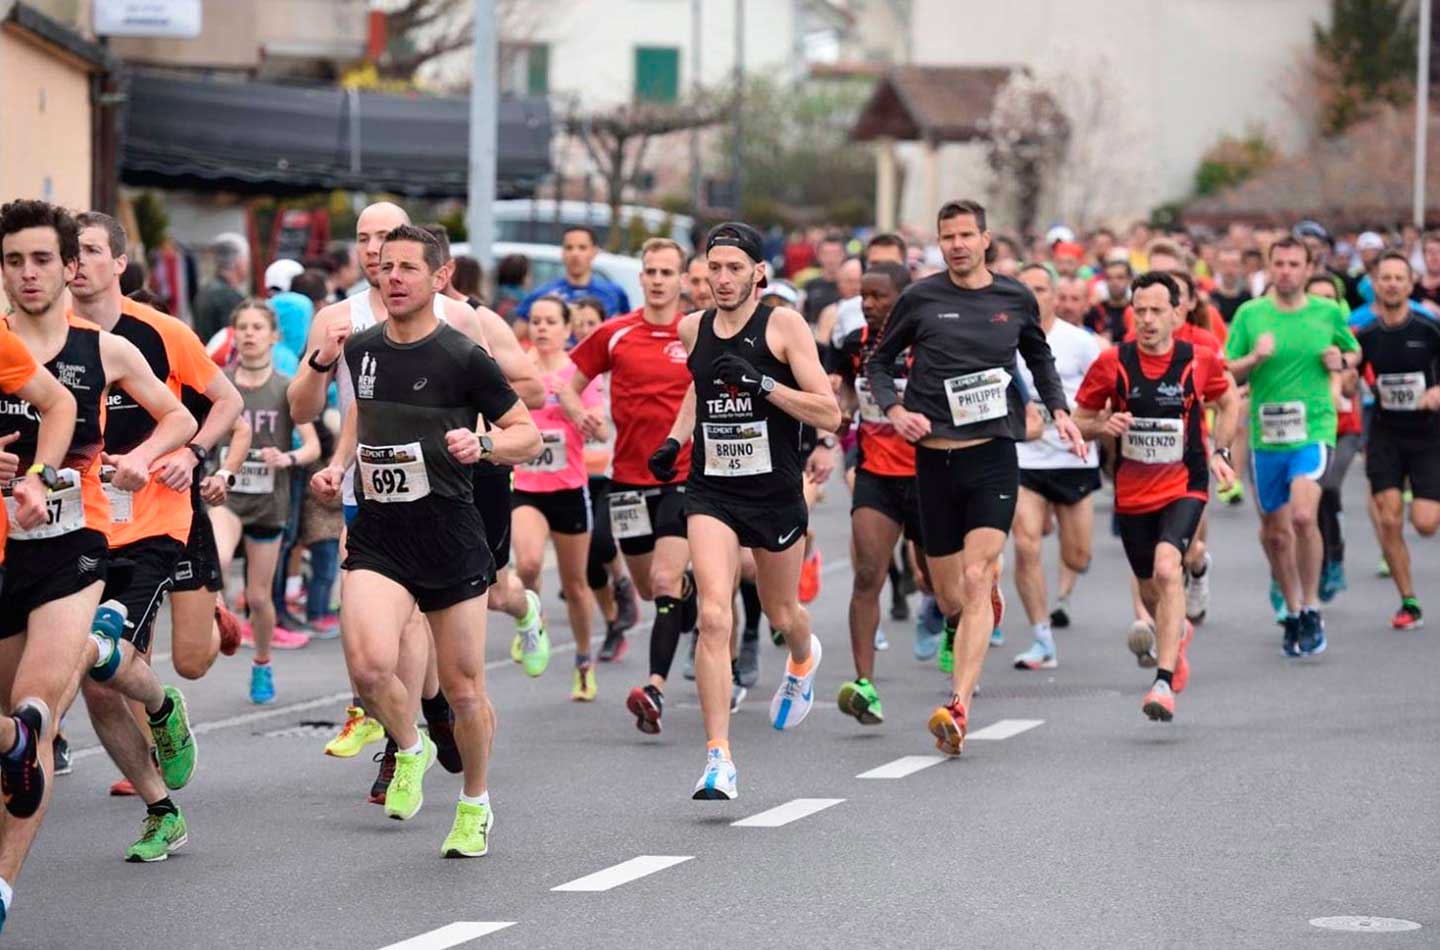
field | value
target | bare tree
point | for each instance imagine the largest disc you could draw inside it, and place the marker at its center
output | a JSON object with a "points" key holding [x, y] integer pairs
{"points": [[429, 34], [1027, 136]]}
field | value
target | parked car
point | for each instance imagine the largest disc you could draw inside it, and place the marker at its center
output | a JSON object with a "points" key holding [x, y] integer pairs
{"points": [[534, 221], [545, 265]]}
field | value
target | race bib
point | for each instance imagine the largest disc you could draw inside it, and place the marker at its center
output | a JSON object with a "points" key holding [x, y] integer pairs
{"points": [[733, 449], [552, 455], [978, 397], [629, 515], [64, 511], [393, 473], [1282, 423], [122, 503], [1154, 441], [870, 410], [1400, 392], [254, 477]]}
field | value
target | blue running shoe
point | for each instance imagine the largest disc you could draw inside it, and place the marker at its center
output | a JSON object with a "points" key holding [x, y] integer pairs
{"points": [[1312, 633], [262, 684], [718, 782], [1277, 601], [1291, 644], [1332, 581], [795, 697], [997, 637], [929, 623]]}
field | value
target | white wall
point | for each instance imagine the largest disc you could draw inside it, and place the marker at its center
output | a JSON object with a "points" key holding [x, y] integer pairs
{"points": [[1195, 69]]}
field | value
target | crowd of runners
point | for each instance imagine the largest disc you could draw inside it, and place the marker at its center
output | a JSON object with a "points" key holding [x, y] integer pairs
{"points": [[670, 454]]}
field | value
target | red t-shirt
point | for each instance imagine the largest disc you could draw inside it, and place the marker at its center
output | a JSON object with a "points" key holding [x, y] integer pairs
{"points": [[648, 381], [1140, 489]]}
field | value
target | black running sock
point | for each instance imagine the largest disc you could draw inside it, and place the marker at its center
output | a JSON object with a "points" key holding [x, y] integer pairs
{"points": [[750, 598], [689, 603], [436, 709], [159, 715], [664, 636], [1165, 676], [163, 807]]}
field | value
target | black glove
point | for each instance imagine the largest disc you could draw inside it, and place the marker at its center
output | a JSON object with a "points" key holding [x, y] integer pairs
{"points": [[738, 373], [662, 463]]}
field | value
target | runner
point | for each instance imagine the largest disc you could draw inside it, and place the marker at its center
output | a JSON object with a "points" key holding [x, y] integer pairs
{"points": [[1287, 345], [757, 383], [412, 543], [1349, 436], [648, 379], [1400, 351], [883, 504], [965, 326], [551, 497], [57, 565], [1053, 478], [259, 499], [1151, 395]]}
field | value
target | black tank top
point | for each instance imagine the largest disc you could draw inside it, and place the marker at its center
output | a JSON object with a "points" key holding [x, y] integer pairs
{"points": [[745, 447], [80, 370], [1170, 397]]}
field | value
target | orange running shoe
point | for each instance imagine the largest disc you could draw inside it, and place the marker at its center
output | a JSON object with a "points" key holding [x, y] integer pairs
{"points": [[122, 788], [229, 625], [1181, 676], [810, 576], [1159, 703], [947, 725]]}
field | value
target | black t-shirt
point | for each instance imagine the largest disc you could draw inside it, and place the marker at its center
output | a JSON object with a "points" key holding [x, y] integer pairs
{"points": [[819, 294], [1106, 318], [1227, 304], [1405, 361]]}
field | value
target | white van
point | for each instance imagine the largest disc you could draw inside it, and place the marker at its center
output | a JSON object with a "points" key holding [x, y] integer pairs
{"points": [[535, 221]]}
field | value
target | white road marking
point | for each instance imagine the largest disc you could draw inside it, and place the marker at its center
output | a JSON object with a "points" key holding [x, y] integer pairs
{"points": [[451, 935], [624, 872], [1374, 925], [1005, 729], [903, 766], [786, 813]]}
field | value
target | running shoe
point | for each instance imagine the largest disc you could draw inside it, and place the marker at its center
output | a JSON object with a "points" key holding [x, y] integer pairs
{"points": [[792, 701], [407, 792], [230, 629], [174, 743], [64, 763], [262, 684], [469, 836], [162, 836], [689, 602], [646, 703], [123, 789], [615, 646], [899, 606], [326, 627], [1234, 495], [1159, 702], [1312, 633], [859, 699], [689, 671], [1408, 617], [381, 786], [358, 732], [1277, 601], [1197, 593], [1040, 656], [776, 637], [882, 643], [945, 659], [747, 665], [288, 639], [1383, 568], [447, 753], [1290, 639], [1332, 580], [1060, 616], [737, 695], [534, 643], [929, 624], [22, 780], [948, 726], [1142, 643], [810, 576], [627, 604], [583, 688], [1181, 676], [717, 783], [997, 637]]}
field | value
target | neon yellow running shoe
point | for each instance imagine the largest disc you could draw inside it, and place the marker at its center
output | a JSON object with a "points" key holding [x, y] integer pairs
{"points": [[584, 689], [469, 836], [358, 732], [535, 642], [407, 792]]}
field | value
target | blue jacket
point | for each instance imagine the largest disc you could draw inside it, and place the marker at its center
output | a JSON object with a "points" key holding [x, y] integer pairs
{"points": [[615, 299]]}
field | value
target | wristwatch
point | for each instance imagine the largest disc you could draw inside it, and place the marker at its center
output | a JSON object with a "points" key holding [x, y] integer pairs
{"points": [[1224, 453], [767, 384], [321, 367], [226, 476], [487, 447], [202, 454], [48, 476], [828, 441]]}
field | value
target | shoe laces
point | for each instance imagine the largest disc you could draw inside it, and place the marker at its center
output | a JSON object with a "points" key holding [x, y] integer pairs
{"points": [[792, 686], [151, 827], [470, 822]]}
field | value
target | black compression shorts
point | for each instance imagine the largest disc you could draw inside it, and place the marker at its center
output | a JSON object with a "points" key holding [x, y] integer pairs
{"points": [[894, 496], [1391, 459], [1061, 486], [964, 489], [665, 508], [566, 511], [1175, 524], [491, 486]]}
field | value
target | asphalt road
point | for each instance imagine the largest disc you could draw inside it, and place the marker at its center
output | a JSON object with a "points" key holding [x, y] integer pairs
{"points": [[1285, 791]]}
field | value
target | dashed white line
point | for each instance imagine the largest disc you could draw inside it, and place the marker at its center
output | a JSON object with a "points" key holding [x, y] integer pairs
{"points": [[903, 766], [1005, 729], [451, 935], [624, 872], [786, 813]]}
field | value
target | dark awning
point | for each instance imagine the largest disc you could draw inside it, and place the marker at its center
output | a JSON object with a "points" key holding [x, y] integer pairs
{"points": [[276, 139]]}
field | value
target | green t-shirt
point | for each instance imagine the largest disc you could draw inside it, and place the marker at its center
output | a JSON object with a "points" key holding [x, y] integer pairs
{"points": [[1290, 396]]}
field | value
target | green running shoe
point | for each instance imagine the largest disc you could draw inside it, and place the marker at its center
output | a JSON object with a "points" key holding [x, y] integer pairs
{"points": [[163, 835], [174, 744], [945, 659], [535, 645], [860, 700], [469, 837], [407, 793]]}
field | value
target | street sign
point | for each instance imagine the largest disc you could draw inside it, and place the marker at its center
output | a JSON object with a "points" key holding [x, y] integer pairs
{"points": [[175, 19]]}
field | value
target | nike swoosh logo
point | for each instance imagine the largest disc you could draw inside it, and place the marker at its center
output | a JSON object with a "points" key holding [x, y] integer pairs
{"points": [[809, 695], [788, 536]]}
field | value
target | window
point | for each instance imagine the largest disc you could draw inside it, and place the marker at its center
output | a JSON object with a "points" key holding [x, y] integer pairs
{"points": [[657, 74], [525, 69]]}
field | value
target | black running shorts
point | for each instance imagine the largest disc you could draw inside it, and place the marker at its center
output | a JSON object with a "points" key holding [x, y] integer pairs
{"points": [[566, 511], [894, 496], [1175, 524], [772, 526], [491, 487], [665, 505], [48, 569], [199, 565], [964, 489], [1391, 459], [150, 575]]}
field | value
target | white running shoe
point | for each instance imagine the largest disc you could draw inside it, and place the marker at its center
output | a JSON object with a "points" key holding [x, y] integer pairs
{"points": [[1040, 656], [792, 701], [1142, 644], [718, 782], [1197, 593]]}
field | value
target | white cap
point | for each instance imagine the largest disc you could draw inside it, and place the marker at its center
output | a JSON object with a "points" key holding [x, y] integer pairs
{"points": [[279, 274], [1370, 241], [1058, 233], [784, 290]]}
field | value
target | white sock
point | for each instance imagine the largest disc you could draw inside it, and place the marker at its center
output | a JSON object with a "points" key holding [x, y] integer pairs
{"points": [[1042, 632], [415, 749], [292, 587], [104, 646], [482, 799], [7, 893]]}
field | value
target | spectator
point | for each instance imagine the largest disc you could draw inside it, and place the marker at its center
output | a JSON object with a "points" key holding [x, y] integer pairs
{"points": [[1072, 297], [824, 290], [577, 251], [218, 299], [314, 285], [1427, 288], [279, 275]]}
